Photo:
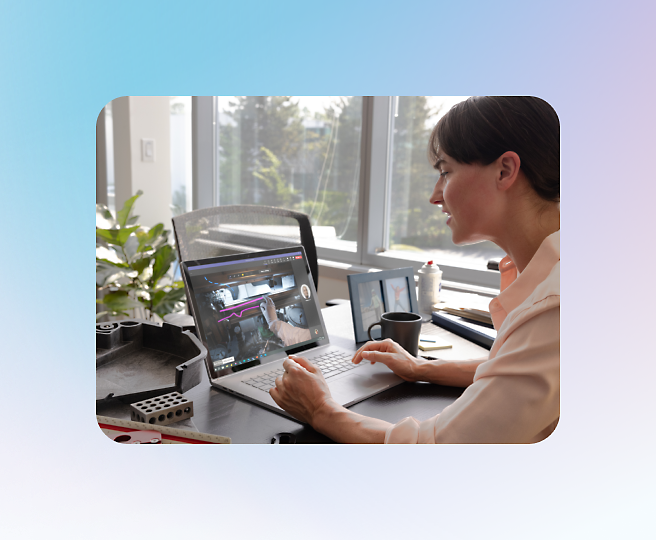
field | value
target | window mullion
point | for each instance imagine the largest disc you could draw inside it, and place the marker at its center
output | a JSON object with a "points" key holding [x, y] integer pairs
{"points": [[376, 197], [202, 136]]}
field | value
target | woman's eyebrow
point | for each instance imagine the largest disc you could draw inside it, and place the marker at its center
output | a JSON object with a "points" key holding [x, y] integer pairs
{"points": [[438, 163]]}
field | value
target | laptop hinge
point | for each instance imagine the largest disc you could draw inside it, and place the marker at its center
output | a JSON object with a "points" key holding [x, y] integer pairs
{"points": [[303, 348]]}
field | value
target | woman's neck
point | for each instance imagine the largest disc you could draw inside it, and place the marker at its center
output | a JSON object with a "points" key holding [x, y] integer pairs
{"points": [[526, 230]]}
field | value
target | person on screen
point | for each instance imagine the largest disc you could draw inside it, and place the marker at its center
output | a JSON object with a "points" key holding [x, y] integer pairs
{"points": [[288, 334], [375, 305], [498, 165], [305, 291], [397, 297]]}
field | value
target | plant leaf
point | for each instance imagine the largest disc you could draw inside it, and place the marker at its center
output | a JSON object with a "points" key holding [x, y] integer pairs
{"points": [[146, 274], [123, 215], [116, 237], [161, 239], [146, 237], [104, 217], [112, 263], [124, 234], [140, 264], [120, 302], [109, 254], [165, 302], [164, 256], [131, 246], [109, 273]]}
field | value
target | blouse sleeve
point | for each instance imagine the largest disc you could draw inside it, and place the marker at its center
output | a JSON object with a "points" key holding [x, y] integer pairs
{"points": [[290, 335], [515, 396]]}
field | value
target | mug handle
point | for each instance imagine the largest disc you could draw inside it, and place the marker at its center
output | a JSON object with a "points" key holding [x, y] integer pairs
{"points": [[369, 330]]}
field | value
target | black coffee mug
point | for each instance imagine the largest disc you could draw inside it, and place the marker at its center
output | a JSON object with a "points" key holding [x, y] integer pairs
{"points": [[402, 327]]}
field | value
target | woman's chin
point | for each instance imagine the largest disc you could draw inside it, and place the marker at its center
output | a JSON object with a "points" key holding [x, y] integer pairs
{"points": [[459, 240]]}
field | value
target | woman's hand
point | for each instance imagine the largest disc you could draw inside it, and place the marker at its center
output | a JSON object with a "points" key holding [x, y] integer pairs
{"points": [[301, 390], [395, 357]]}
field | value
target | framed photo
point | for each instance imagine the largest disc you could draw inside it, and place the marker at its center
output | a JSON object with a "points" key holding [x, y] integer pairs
{"points": [[375, 293]]}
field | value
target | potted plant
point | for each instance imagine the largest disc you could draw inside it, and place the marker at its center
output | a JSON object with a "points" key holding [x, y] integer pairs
{"points": [[132, 266]]}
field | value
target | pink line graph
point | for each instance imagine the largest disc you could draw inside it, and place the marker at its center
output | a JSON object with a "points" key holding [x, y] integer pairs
{"points": [[244, 304], [242, 312]]}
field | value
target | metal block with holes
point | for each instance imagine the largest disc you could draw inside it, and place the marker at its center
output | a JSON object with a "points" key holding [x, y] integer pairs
{"points": [[162, 410]]}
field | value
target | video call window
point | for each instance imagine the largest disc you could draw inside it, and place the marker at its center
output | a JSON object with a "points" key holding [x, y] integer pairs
{"points": [[232, 306]]}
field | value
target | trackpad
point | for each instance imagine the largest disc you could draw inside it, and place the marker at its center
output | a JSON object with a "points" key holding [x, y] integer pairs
{"points": [[356, 387]]}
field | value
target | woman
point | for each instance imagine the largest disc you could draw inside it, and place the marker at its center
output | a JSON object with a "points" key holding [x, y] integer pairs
{"points": [[499, 180]]}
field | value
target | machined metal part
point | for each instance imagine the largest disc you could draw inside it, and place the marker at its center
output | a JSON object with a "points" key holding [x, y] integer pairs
{"points": [[162, 410]]}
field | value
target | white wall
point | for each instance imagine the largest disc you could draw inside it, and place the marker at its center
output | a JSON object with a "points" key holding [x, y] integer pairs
{"points": [[137, 118], [331, 289]]}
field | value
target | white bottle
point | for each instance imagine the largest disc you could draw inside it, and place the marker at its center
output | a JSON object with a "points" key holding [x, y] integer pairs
{"points": [[430, 285]]}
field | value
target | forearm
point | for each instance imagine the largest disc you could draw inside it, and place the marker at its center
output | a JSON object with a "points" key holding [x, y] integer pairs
{"points": [[458, 373], [345, 426]]}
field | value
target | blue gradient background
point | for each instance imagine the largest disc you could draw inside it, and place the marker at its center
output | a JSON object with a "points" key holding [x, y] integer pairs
{"points": [[61, 63]]}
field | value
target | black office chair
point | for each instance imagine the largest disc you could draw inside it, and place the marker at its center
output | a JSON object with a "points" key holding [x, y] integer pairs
{"points": [[226, 230]]}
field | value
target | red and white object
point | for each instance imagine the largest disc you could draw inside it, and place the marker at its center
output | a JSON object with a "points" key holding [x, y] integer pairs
{"points": [[430, 286], [114, 427], [139, 437]]}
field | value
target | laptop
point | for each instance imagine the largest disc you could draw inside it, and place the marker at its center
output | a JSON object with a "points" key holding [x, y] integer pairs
{"points": [[235, 297]]}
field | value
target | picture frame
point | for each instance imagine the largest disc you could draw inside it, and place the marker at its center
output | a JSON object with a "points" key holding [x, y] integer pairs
{"points": [[375, 293]]}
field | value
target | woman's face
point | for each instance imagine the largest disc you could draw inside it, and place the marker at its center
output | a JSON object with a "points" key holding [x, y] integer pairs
{"points": [[467, 194]]}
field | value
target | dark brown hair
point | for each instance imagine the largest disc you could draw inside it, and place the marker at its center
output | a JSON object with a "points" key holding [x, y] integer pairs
{"points": [[480, 129]]}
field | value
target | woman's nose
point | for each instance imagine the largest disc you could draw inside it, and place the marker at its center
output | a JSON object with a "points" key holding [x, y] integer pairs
{"points": [[436, 197]]}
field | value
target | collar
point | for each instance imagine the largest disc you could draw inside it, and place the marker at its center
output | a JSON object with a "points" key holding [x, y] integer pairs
{"points": [[515, 288]]}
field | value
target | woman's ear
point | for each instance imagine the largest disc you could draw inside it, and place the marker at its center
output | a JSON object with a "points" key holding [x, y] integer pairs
{"points": [[508, 170]]}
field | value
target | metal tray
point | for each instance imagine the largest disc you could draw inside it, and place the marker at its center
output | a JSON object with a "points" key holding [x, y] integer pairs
{"points": [[137, 359]]}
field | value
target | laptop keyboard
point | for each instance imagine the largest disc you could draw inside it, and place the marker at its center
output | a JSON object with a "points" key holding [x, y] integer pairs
{"points": [[332, 363]]}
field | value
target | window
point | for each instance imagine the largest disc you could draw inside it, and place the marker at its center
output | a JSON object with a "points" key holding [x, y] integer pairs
{"points": [[180, 140], [300, 153], [109, 148], [356, 165], [416, 230]]}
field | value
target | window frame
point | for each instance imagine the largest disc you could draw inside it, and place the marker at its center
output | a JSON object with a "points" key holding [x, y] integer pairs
{"points": [[374, 193]]}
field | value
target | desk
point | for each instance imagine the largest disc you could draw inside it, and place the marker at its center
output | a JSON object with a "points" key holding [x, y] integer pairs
{"points": [[220, 413]]}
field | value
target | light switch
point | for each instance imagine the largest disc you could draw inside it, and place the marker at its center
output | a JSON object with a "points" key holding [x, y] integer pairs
{"points": [[148, 150]]}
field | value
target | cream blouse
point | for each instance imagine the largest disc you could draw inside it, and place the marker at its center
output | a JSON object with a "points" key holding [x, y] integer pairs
{"points": [[515, 396]]}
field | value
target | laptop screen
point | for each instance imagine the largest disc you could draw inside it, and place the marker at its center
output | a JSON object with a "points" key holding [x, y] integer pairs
{"points": [[249, 307]]}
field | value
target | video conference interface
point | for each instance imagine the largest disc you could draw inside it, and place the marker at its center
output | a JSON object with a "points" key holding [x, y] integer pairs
{"points": [[249, 309]]}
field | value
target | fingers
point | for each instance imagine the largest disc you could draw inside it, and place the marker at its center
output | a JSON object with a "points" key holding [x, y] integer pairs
{"points": [[357, 357], [387, 345], [275, 394], [295, 361], [383, 357]]}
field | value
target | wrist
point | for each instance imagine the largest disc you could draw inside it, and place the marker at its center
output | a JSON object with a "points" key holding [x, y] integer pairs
{"points": [[322, 415], [422, 370], [458, 373]]}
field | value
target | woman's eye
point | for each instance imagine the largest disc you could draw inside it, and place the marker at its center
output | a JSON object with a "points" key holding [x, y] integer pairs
{"points": [[443, 175]]}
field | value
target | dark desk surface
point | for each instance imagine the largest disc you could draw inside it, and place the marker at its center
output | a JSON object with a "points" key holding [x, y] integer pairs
{"points": [[224, 414]]}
